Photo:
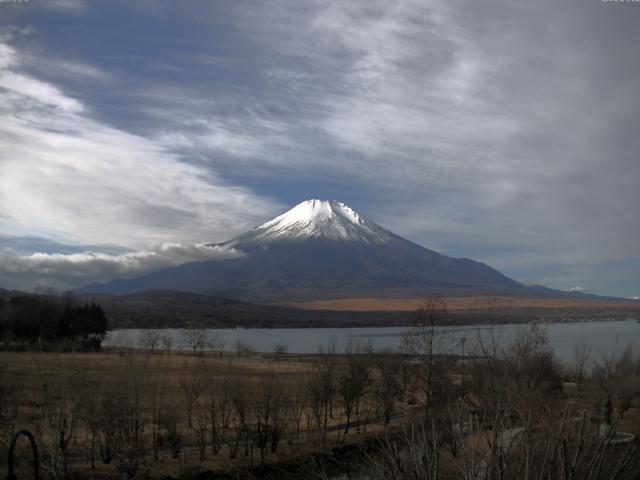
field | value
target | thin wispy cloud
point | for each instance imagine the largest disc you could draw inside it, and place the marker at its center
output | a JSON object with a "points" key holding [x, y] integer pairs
{"points": [[69, 6], [69, 175]]}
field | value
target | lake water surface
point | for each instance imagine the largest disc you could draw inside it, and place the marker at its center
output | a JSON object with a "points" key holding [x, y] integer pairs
{"points": [[603, 337]]}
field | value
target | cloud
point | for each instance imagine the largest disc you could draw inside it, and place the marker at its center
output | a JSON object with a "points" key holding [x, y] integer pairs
{"points": [[394, 103], [495, 130], [67, 6], [27, 88], [68, 175], [213, 137], [63, 271], [492, 143], [70, 69]]}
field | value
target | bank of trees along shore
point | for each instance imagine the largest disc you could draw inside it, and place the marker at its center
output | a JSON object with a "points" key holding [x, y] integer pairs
{"points": [[50, 323], [501, 413]]}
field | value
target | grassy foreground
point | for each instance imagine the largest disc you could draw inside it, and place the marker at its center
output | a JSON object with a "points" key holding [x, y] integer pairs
{"points": [[502, 412], [134, 414]]}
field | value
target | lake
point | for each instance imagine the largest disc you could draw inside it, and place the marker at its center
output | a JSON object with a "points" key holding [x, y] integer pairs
{"points": [[603, 337]]}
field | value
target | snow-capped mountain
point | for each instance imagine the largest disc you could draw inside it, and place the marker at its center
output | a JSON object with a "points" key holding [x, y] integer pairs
{"points": [[318, 219], [323, 249]]}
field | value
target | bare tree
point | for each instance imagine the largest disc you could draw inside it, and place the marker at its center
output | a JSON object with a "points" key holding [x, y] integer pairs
{"points": [[279, 350], [167, 342], [531, 358], [217, 342], [156, 404], [581, 357], [218, 393], [353, 380], [414, 455], [425, 341], [191, 383], [149, 340], [89, 405], [105, 417], [489, 368], [619, 377], [195, 339], [270, 412], [130, 416], [299, 402], [387, 388], [565, 449], [201, 423], [240, 396], [171, 433], [320, 389], [60, 402], [242, 349]]}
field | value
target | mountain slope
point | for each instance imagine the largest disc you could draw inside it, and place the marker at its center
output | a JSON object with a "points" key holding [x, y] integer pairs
{"points": [[322, 250]]}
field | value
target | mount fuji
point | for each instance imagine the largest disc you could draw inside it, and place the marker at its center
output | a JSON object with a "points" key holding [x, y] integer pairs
{"points": [[324, 249]]}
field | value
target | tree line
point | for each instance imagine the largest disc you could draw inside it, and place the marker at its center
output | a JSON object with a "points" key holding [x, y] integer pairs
{"points": [[51, 323]]}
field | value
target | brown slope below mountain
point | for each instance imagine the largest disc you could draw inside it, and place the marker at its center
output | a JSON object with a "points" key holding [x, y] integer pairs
{"points": [[470, 304]]}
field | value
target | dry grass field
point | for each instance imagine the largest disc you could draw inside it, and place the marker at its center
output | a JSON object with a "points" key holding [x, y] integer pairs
{"points": [[479, 303], [170, 405], [134, 414]]}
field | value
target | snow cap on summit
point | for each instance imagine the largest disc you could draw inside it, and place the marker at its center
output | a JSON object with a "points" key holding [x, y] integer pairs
{"points": [[328, 219], [312, 209]]}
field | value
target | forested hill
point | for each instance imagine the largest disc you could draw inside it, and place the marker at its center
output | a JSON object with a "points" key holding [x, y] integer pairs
{"points": [[173, 309]]}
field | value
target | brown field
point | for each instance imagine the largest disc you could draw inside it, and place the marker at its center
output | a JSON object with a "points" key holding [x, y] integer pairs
{"points": [[479, 303], [171, 415], [71, 388]]}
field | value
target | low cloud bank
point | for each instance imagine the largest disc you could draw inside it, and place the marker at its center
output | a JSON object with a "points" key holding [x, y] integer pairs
{"points": [[65, 271]]}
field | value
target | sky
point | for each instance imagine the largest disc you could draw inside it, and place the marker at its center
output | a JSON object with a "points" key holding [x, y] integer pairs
{"points": [[503, 131]]}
